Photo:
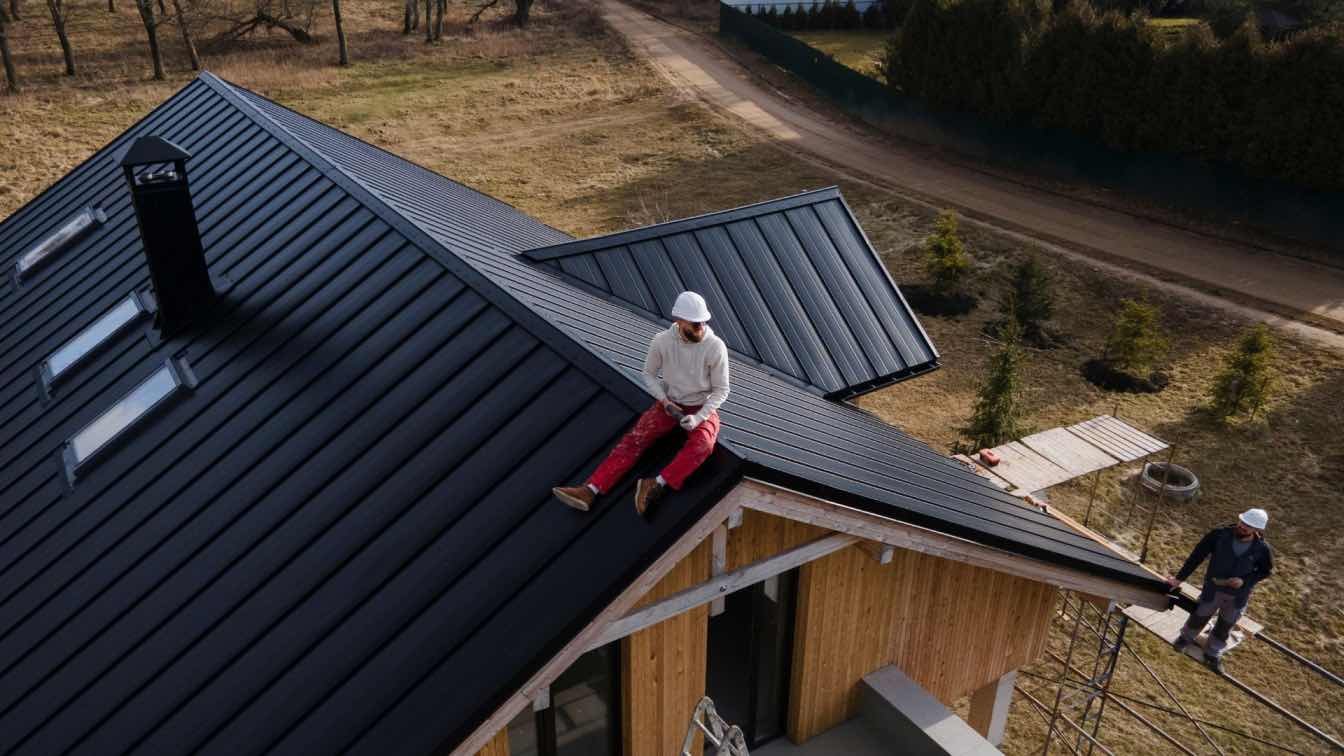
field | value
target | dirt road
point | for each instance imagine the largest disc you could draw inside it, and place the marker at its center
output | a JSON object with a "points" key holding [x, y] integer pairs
{"points": [[1302, 296]]}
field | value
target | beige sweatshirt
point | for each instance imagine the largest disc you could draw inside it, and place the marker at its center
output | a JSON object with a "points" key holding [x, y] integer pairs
{"points": [[692, 373]]}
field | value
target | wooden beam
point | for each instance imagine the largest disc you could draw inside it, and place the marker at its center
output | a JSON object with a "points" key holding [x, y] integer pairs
{"points": [[880, 552], [783, 502], [731, 582], [718, 562], [584, 639], [542, 701], [735, 519]]}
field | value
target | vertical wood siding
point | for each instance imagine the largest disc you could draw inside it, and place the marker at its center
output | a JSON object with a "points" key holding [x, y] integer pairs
{"points": [[663, 667], [498, 746], [951, 627]]}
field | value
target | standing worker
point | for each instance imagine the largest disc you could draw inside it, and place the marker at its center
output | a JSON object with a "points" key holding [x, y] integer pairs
{"points": [[1239, 558], [694, 366]]}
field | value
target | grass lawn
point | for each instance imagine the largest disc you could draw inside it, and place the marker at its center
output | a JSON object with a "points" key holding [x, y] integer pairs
{"points": [[1172, 29], [563, 122], [860, 50]]}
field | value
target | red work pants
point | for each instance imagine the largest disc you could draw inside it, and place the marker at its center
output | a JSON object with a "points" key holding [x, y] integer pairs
{"points": [[651, 426]]}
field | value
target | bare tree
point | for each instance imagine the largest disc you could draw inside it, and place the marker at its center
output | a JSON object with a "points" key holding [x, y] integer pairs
{"points": [[429, 26], [185, 28], [11, 78], [14, 10], [412, 17], [439, 6], [146, 8], [521, 10], [340, 32], [58, 21]]}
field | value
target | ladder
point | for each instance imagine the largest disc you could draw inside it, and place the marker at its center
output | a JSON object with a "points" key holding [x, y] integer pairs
{"points": [[726, 738]]}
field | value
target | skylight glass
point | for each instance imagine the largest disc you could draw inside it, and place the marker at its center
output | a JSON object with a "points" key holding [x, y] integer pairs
{"points": [[89, 339], [64, 236], [125, 413]]}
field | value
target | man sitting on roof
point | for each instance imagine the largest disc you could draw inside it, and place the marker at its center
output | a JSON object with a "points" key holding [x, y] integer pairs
{"points": [[694, 366], [1238, 559]]}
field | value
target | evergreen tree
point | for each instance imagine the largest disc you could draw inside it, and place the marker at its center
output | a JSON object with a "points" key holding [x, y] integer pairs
{"points": [[1031, 297], [849, 16], [1136, 342], [1245, 382], [945, 256], [786, 19], [996, 417], [872, 16]]}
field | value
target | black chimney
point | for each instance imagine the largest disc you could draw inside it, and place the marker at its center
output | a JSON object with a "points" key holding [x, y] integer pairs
{"points": [[156, 171]]}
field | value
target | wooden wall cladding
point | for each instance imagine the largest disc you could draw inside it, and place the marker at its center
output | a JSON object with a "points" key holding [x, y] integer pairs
{"points": [[949, 626], [498, 745], [762, 535], [663, 667]]}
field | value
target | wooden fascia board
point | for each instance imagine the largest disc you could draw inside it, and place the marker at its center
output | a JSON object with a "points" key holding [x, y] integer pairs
{"points": [[584, 640], [784, 502]]}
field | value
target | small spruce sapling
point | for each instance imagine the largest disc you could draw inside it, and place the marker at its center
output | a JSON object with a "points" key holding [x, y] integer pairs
{"points": [[996, 417], [945, 256], [1245, 381], [1031, 298], [1136, 342]]}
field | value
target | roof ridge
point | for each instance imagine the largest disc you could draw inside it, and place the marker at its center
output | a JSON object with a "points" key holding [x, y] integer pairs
{"points": [[583, 357], [681, 225]]}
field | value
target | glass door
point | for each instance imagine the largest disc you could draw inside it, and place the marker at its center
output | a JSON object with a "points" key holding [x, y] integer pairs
{"points": [[750, 651]]}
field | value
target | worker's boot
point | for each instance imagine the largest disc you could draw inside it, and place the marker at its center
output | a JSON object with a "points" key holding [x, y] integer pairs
{"points": [[647, 493], [1181, 643], [579, 497], [1214, 663]]}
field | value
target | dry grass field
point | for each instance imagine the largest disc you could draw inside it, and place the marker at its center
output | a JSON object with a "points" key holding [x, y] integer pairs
{"points": [[563, 122]]}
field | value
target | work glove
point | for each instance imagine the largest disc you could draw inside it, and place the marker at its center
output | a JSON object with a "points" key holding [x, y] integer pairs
{"points": [[690, 422], [672, 409]]}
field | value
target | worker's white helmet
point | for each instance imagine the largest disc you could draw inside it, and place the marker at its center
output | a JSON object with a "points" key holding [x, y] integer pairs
{"points": [[1255, 518], [690, 306]]}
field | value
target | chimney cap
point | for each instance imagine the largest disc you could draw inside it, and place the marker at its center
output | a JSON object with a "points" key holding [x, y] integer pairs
{"points": [[153, 149]]}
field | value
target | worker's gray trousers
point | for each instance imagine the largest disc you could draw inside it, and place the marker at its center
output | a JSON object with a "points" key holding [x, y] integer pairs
{"points": [[1228, 610]]}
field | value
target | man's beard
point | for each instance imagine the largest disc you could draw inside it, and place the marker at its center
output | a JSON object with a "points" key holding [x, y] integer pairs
{"points": [[695, 337]]}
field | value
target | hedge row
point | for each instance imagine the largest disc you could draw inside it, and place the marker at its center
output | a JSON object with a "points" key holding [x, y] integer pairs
{"points": [[1274, 109], [828, 15]]}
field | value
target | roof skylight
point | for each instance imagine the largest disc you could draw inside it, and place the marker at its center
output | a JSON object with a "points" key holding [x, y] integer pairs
{"points": [[89, 339], [127, 412], [66, 235]]}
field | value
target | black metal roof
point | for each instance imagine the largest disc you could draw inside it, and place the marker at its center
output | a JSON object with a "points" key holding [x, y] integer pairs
{"points": [[342, 538], [795, 287]]}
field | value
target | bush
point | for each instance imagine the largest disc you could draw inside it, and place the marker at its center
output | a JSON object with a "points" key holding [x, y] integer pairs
{"points": [[1273, 109], [1136, 342], [1245, 382], [945, 256], [996, 417]]}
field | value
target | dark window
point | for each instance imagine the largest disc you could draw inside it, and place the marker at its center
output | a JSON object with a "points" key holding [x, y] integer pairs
{"points": [[584, 716]]}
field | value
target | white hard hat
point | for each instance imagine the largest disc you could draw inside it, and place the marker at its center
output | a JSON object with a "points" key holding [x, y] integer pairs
{"points": [[690, 306], [1255, 518]]}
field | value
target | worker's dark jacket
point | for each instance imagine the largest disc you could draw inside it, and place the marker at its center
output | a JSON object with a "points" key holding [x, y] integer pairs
{"points": [[1252, 566]]}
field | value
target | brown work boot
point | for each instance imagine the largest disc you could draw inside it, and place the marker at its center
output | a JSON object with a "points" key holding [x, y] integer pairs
{"points": [[648, 491], [579, 497]]}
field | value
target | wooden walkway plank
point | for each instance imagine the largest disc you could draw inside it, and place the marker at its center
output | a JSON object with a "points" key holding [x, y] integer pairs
{"points": [[1148, 441], [1068, 451], [1130, 449]]}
